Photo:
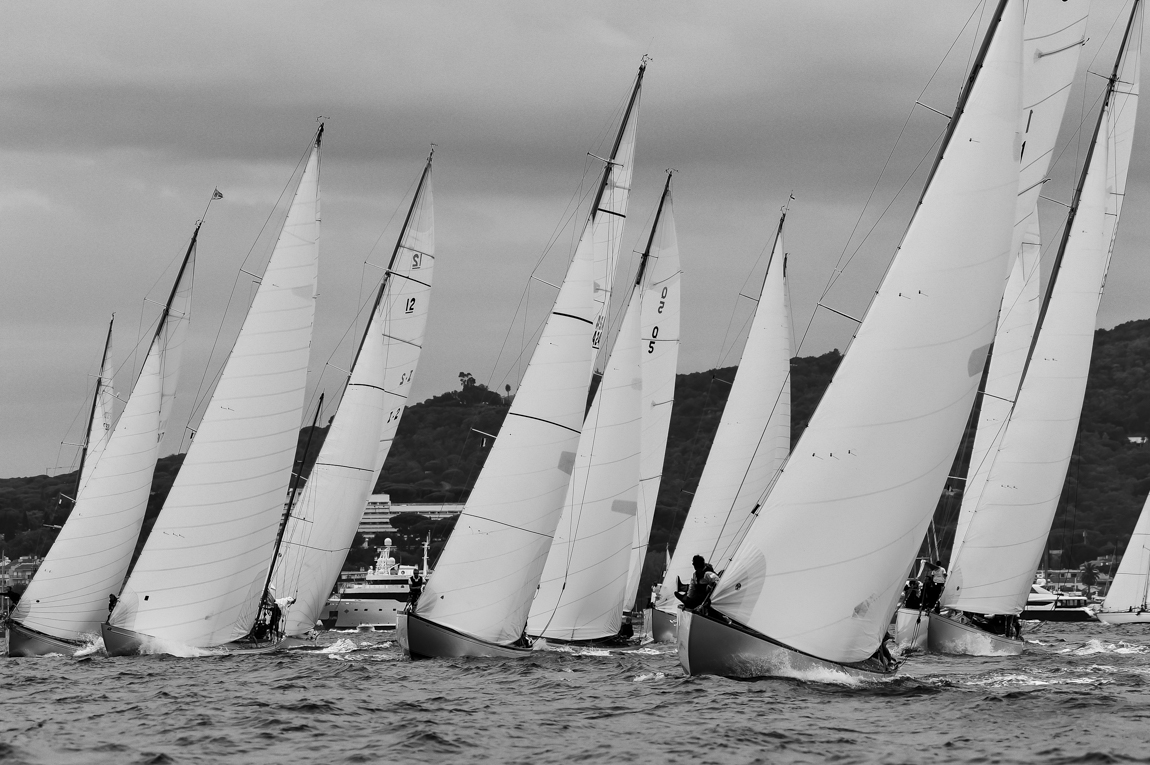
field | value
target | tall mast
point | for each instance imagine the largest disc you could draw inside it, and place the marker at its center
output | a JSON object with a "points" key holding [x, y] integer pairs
{"points": [[1111, 84], [654, 227], [95, 401], [619, 136]]}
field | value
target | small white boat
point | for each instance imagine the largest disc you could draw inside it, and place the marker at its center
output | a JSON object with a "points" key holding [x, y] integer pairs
{"points": [[1047, 606]]}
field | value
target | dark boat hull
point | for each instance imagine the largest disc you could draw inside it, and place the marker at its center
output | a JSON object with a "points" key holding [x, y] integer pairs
{"points": [[1059, 615], [710, 647], [950, 636], [663, 626], [422, 639], [30, 643], [121, 642]]}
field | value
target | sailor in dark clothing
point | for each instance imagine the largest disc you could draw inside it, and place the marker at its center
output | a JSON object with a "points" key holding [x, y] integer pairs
{"points": [[112, 601], [702, 582]]}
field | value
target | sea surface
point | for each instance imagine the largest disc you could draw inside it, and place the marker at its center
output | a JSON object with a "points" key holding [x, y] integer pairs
{"points": [[1080, 694]]}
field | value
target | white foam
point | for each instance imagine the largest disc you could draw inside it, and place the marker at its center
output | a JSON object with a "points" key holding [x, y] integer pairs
{"points": [[342, 645], [1096, 646], [651, 676], [155, 646], [94, 645]]}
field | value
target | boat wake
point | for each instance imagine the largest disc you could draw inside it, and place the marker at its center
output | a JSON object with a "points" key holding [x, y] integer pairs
{"points": [[650, 676], [1094, 646], [95, 645], [152, 646], [343, 645]]}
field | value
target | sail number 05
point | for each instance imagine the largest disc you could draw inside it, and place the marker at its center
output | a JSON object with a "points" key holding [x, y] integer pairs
{"points": [[655, 329]]}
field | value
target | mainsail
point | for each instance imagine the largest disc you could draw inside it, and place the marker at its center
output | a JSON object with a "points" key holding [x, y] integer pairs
{"points": [[200, 577], [68, 597], [582, 588], [323, 522], [659, 348], [490, 567], [752, 441], [1053, 34], [1003, 542], [100, 420], [824, 563]]}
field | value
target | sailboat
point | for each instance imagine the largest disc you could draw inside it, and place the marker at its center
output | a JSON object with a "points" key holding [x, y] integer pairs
{"points": [[750, 445], [583, 588], [1053, 36], [322, 523], [477, 600], [200, 578], [997, 555], [814, 584], [85, 568], [999, 552], [1126, 601]]}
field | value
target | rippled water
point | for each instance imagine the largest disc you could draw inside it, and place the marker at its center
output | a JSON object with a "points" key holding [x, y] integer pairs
{"points": [[1079, 694]]}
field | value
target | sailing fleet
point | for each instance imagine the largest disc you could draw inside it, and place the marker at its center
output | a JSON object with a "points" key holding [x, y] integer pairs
{"points": [[812, 545]]}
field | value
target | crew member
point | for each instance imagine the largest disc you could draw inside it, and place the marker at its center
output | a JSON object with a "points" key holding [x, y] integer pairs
{"points": [[702, 582]]}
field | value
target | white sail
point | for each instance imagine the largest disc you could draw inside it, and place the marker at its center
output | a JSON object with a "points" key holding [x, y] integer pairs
{"points": [[824, 563], [1132, 579], [100, 423], [490, 567], [485, 578], [997, 556], [68, 597], [580, 594], [201, 574], [1053, 34], [659, 350], [751, 443], [322, 525]]}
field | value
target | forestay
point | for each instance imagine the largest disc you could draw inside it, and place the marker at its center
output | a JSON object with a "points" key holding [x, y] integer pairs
{"points": [[1053, 36], [1003, 543], [202, 572], [322, 525], [68, 596], [100, 421], [752, 441], [825, 561]]}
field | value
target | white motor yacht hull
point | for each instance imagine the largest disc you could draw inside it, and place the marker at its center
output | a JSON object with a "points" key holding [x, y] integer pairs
{"points": [[948, 635], [709, 647], [1124, 617], [663, 626], [28, 643], [422, 639], [911, 627]]}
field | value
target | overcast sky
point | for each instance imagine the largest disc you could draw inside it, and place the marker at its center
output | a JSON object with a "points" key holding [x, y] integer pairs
{"points": [[118, 119]]}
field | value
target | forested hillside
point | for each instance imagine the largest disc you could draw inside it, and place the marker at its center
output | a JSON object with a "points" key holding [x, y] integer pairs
{"points": [[441, 446]]}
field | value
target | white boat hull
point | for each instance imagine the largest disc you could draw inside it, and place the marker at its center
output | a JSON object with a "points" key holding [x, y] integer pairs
{"points": [[911, 628], [358, 613], [709, 647], [28, 643], [1124, 617], [663, 626], [422, 639], [947, 635]]}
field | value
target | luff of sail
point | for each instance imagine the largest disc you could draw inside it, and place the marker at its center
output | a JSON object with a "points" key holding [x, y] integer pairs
{"points": [[752, 441], [1003, 543], [68, 596], [100, 419], [200, 576], [659, 350], [1053, 34], [322, 525], [824, 563]]}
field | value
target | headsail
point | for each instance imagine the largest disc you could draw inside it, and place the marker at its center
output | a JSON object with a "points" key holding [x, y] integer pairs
{"points": [[752, 441], [842, 523], [1003, 542], [68, 597], [200, 577], [1053, 34], [1131, 584], [322, 525]]}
